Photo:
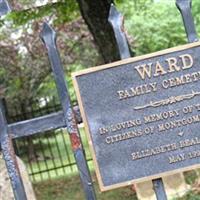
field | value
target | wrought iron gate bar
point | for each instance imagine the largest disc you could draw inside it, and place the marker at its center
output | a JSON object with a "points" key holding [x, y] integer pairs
{"points": [[10, 159], [184, 7], [4, 7], [48, 35], [159, 189], [6, 140], [116, 22], [40, 124], [37, 125], [68, 117]]}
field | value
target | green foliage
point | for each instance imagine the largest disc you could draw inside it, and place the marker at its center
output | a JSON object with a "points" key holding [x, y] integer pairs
{"points": [[2, 74], [155, 27], [137, 5], [191, 177], [48, 86], [190, 196], [69, 188], [60, 11], [152, 25]]}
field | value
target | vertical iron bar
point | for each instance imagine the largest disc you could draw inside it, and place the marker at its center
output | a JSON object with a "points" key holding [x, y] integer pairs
{"points": [[5, 107], [10, 159], [4, 7], [6, 140], [116, 21], [184, 7], [48, 36], [159, 189]]}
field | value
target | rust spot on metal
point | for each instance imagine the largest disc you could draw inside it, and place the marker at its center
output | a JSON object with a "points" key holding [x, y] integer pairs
{"points": [[75, 141], [73, 130]]}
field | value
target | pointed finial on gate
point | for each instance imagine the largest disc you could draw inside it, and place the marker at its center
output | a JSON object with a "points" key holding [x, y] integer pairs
{"points": [[116, 20], [181, 3], [115, 17], [184, 7], [4, 7], [48, 35]]}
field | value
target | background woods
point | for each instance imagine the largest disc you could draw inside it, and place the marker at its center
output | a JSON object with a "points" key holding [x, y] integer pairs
{"points": [[85, 39]]}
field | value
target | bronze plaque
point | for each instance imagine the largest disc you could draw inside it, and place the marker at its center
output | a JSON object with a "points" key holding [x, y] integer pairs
{"points": [[142, 115]]}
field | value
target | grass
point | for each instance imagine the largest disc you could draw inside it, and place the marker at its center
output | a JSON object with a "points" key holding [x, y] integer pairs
{"points": [[190, 196], [70, 189], [191, 178]]}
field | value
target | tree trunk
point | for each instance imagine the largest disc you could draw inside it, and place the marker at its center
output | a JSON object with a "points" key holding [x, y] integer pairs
{"points": [[95, 14]]}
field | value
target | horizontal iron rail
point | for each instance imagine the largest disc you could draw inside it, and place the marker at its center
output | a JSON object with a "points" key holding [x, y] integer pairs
{"points": [[40, 124]]}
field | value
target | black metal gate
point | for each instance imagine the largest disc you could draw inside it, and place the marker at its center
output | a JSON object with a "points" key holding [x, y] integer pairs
{"points": [[47, 155], [69, 117]]}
